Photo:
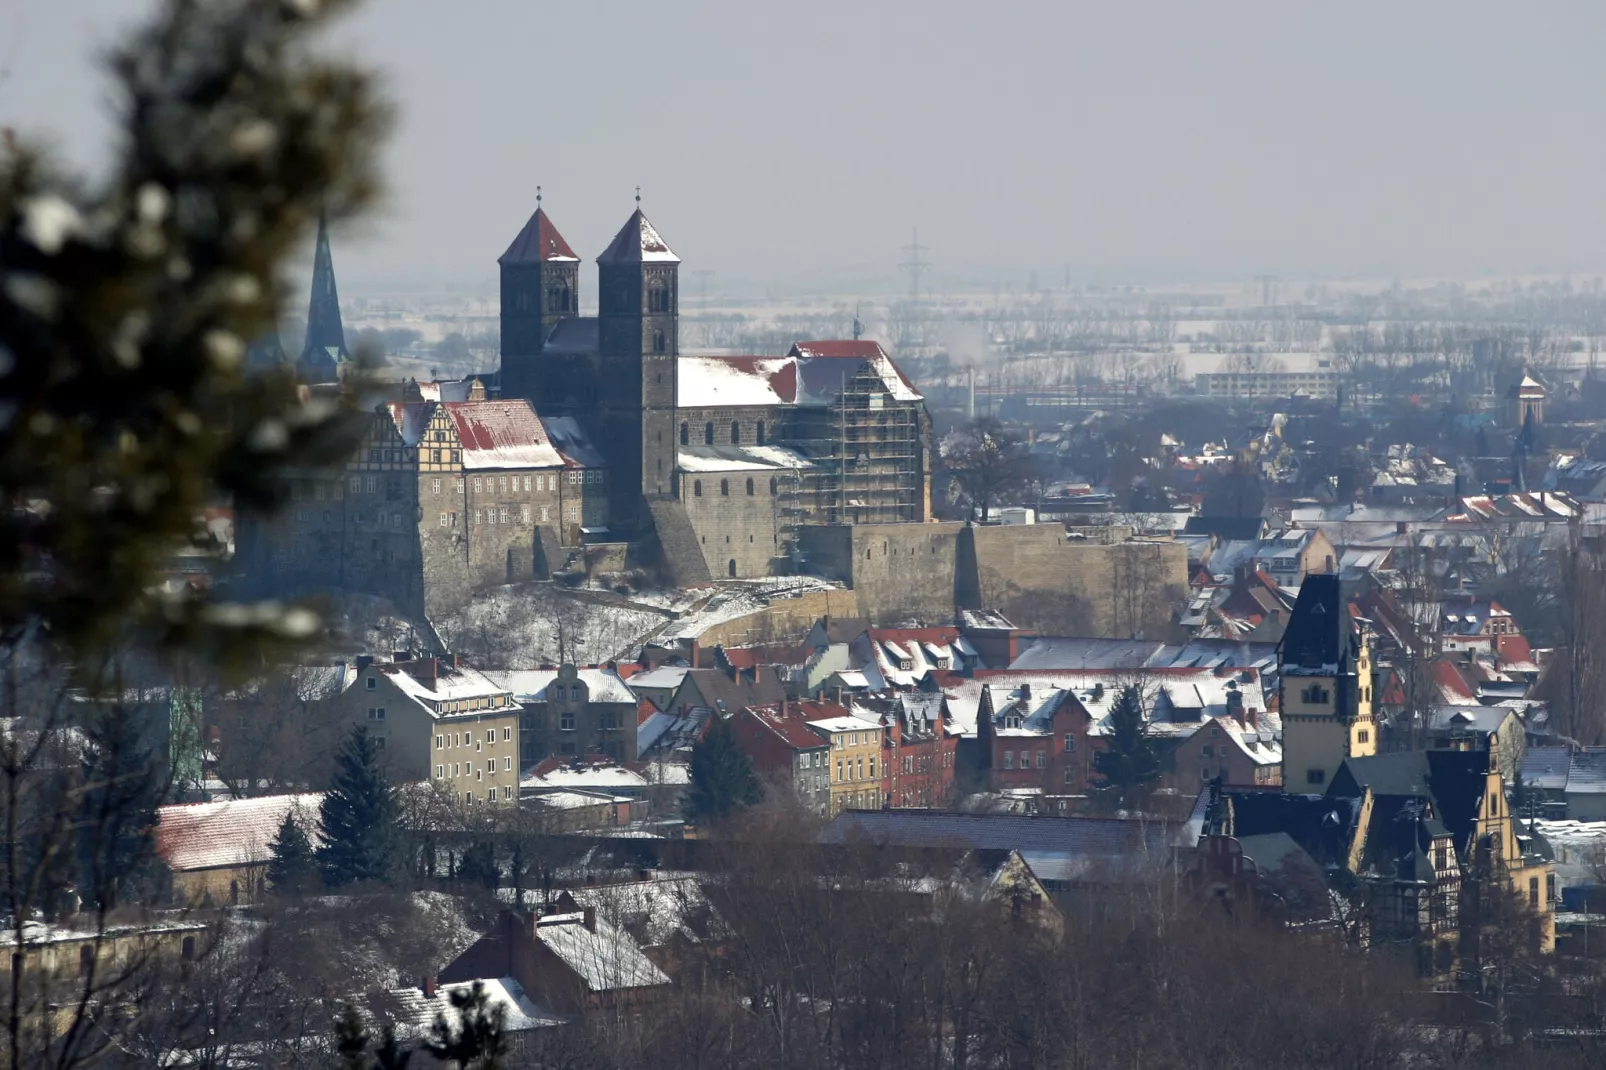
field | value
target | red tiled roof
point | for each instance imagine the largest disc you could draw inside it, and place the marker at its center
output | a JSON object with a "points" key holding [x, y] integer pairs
{"points": [[502, 434], [1450, 680], [748, 657], [230, 832], [538, 241], [791, 726]]}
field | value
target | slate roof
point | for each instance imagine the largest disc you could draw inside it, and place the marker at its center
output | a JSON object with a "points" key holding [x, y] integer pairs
{"points": [[716, 687], [606, 960], [573, 334], [1082, 836], [636, 243], [1225, 527], [539, 241], [1546, 768], [230, 832], [1587, 774], [1321, 636]]}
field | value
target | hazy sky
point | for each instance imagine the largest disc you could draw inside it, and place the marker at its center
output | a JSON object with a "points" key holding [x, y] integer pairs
{"points": [[797, 145]]}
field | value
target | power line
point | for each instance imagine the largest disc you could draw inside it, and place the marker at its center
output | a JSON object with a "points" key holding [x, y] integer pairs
{"points": [[915, 265]]}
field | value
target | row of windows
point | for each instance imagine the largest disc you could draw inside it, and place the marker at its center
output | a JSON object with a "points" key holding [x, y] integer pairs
{"points": [[850, 770], [384, 456], [490, 795], [1026, 759], [319, 490], [468, 767], [725, 487], [454, 739], [708, 433]]}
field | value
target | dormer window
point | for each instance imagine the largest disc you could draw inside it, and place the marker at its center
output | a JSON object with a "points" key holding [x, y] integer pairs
{"points": [[906, 664], [942, 663]]}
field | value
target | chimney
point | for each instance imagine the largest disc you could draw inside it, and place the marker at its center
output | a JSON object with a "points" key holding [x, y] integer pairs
{"points": [[590, 919], [429, 986], [1235, 703]]}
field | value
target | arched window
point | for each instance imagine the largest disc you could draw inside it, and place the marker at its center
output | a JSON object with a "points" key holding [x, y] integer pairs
{"points": [[725, 488], [760, 435], [234, 893], [773, 486], [696, 488], [685, 433], [86, 959], [659, 343], [187, 949], [736, 433], [658, 299], [749, 486], [732, 568], [708, 434]]}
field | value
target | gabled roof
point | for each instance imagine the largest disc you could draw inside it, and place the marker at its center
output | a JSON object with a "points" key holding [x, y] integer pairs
{"points": [[605, 959], [230, 832], [502, 434], [824, 368], [1546, 768], [539, 241], [637, 243], [792, 729]]}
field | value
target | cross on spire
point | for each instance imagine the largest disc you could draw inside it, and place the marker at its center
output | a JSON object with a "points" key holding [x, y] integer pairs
{"points": [[538, 198], [638, 196]]}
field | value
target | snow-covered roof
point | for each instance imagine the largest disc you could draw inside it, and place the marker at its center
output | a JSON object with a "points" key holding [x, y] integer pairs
{"points": [[710, 382], [529, 685], [655, 911], [449, 688], [575, 799], [502, 434], [230, 832], [414, 1013], [1178, 700], [740, 459], [604, 957], [845, 724], [584, 776], [664, 676]]}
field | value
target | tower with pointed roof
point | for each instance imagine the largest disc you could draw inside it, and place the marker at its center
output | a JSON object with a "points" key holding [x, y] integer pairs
{"points": [[540, 288], [1324, 687], [637, 342], [324, 354]]}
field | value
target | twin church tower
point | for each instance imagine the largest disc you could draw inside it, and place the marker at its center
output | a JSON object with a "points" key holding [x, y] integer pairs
{"points": [[615, 373]]}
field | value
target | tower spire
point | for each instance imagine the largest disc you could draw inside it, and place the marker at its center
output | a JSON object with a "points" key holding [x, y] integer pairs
{"points": [[325, 350]]}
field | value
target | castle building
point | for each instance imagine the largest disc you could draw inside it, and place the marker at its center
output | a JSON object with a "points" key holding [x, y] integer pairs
{"points": [[596, 429], [722, 457], [1324, 687]]}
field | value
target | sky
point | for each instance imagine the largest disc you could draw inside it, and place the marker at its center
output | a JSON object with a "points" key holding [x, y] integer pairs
{"points": [[796, 147]]}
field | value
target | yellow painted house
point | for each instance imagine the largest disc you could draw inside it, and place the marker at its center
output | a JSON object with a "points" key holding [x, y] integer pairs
{"points": [[854, 758]]}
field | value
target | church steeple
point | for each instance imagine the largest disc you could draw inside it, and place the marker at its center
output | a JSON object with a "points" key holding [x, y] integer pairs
{"points": [[638, 339], [540, 287], [325, 350]]}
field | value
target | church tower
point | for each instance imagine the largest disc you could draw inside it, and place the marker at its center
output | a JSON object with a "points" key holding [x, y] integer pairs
{"points": [[325, 351], [638, 337], [540, 287], [1324, 687]]}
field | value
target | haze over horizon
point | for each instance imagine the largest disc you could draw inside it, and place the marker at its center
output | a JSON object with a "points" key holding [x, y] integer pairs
{"points": [[1160, 143]]}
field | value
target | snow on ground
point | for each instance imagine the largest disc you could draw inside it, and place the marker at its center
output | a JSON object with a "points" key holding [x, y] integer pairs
{"points": [[525, 626], [740, 598]]}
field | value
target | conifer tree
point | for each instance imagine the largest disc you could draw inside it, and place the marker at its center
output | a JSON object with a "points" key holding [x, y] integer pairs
{"points": [[477, 1040], [360, 841], [1128, 760], [722, 777], [293, 865]]}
